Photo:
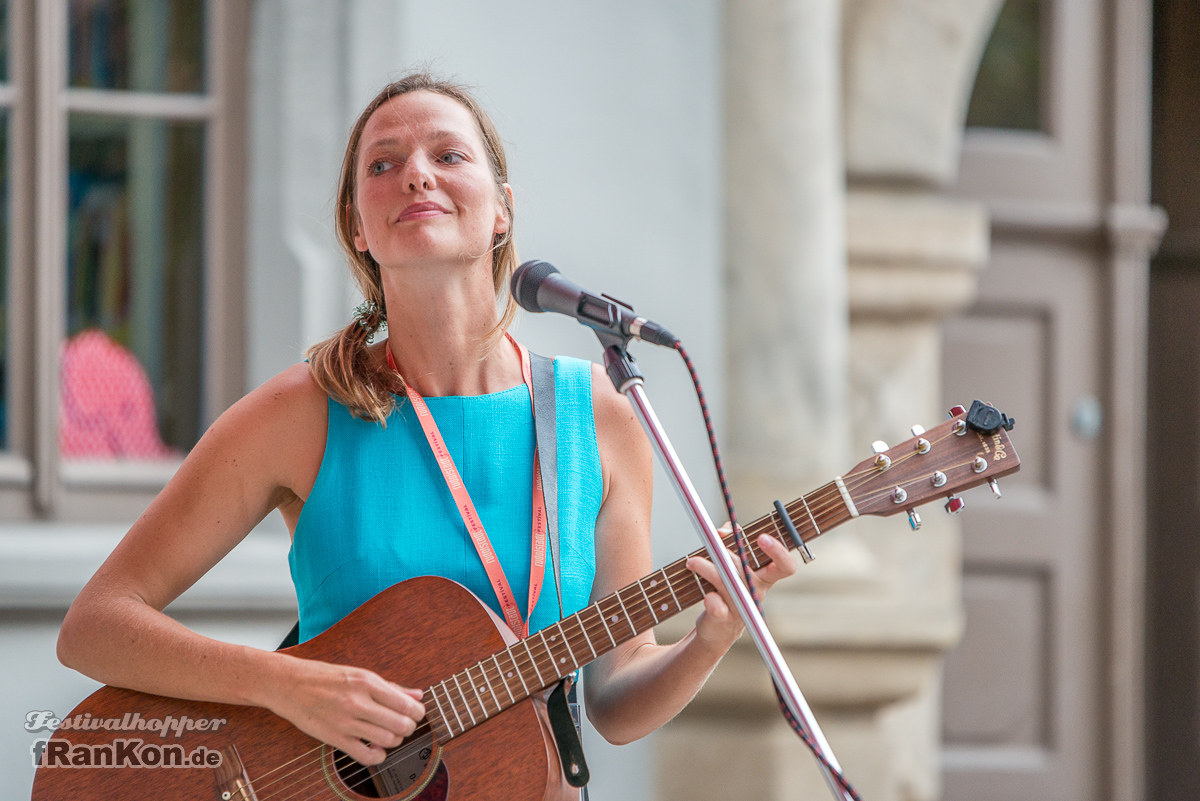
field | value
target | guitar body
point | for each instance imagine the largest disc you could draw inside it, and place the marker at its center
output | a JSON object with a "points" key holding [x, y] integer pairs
{"points": [[415, 634]]}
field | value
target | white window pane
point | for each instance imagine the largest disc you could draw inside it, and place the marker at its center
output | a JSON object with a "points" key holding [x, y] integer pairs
{"points": [[139, 45], [131, 367], [1007, 92]]}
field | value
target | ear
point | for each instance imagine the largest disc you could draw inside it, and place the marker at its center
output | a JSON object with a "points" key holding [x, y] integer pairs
{"points": [[360, 241], [503, 214]]}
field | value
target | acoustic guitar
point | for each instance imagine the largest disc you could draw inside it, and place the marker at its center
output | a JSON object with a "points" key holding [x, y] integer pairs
{"points": [[485, 734]]}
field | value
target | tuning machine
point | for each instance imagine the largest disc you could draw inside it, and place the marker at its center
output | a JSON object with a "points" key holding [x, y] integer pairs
{"points": [[922, 445], [882, 460], [960, 426]]}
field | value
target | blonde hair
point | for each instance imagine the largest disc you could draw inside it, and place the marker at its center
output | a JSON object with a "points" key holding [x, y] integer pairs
{"points": [[342, 365]]}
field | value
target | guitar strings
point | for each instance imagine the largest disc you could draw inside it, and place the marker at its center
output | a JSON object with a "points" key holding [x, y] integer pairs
{"points": [[309, 770], [317, 780], [589, 631], [340, 761], [825, 500]]}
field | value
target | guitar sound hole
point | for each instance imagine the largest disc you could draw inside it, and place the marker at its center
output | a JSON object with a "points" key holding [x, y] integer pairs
{"points": [[414, 770]]}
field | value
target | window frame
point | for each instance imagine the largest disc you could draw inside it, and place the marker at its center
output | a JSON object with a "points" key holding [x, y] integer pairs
{"points": [[35, 481]]}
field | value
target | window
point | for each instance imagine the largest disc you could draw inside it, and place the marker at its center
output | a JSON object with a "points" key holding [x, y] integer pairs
{"points": [[1008, 87], [122, 153]]}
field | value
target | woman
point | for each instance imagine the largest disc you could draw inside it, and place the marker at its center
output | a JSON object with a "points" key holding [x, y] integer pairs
{"points": [[425, 215]]}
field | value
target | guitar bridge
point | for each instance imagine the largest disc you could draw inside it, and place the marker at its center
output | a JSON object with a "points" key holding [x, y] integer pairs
{"points": [[230, 777]]}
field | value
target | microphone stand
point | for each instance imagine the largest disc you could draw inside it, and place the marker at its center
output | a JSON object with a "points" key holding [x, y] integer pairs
{"points": [[627, 378]]}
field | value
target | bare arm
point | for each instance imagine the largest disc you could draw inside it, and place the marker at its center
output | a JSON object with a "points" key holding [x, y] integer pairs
{"points": [[641, 685], [260, 455]]}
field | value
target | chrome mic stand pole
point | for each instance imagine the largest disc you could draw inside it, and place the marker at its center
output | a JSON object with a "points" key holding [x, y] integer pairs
{"points": [[628, 380]]}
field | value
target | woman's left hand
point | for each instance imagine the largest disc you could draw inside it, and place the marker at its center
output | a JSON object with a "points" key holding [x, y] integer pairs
{"points": [[719, 624]]}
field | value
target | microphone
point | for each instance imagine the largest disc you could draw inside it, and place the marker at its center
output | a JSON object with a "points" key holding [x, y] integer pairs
{"points": [[538, 286]]}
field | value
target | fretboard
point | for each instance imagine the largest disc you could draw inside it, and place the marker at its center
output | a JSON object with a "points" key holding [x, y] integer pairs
{"points": [[486, 688]]}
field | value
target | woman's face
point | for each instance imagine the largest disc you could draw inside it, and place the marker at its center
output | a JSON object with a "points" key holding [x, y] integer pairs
{"points": [[425, 189]]}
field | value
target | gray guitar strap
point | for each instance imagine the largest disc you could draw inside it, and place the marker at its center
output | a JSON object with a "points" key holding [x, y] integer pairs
{"points": [[562, 707], [546, 428]]}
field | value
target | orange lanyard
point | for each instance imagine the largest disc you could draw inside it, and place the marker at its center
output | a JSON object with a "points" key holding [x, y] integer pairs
{"points": [[466, 508]]}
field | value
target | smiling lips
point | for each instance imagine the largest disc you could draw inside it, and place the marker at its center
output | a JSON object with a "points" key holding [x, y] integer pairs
{"points": [[420, 211]]}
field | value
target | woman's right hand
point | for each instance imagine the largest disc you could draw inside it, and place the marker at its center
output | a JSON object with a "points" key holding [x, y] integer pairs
{"points": [[352, 709]]}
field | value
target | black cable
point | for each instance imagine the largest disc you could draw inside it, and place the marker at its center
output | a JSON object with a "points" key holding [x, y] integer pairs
{"points": [[739, 542]]}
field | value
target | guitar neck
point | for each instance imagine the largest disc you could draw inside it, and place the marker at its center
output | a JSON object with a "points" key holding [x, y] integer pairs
{"points": [[486, 688]]}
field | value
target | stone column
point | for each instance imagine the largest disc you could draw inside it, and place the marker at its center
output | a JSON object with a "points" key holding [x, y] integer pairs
{"points": [[833, 347], [913, 259], [786, 359], [785, 249]]}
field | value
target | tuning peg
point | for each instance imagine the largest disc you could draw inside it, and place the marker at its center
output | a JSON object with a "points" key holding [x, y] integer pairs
{"points": [[922, 444], [995, 485], [914, 519], [954, 504], [960, 426], [882, 460]]}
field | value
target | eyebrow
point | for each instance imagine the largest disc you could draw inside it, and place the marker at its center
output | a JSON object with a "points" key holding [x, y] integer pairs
{"points": [[392, 141]]}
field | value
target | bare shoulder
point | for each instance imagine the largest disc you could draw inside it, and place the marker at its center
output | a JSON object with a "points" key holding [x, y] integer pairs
{"points": [[613, 411], [277, 430], [290, 401], [623, 445], [294, 385]]}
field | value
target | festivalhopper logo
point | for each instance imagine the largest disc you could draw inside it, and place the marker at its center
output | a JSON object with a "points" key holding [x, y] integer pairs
{"points": [[121, 752]]}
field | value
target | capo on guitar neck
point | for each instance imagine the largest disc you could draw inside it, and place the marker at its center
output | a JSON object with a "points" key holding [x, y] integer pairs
{"points": [[565, 726], [790, 528]]}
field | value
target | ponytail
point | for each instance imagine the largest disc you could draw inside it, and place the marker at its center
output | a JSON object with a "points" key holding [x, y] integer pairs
{"points": [[343, 367]]}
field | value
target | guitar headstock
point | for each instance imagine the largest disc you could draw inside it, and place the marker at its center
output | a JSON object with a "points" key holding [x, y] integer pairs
{"points": [[969, 449]]}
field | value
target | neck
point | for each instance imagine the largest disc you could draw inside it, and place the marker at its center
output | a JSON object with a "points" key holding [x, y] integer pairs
{"points": [[438, 334]]}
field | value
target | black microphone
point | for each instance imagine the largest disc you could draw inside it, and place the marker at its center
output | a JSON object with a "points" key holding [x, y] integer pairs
{"points": [[538, 286]]}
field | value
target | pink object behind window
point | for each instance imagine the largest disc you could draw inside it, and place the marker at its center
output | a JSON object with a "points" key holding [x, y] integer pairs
{"points": [[106, 408]]}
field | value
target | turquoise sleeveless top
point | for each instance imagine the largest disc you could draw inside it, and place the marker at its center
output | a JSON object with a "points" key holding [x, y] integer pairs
{"points": [[380, 511]]}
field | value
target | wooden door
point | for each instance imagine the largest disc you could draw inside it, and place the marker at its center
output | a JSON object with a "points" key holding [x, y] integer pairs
{"points": [[1042, 698], [1021, 692]]}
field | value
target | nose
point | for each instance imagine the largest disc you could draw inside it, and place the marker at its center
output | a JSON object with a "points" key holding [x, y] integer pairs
{"points": [[419, 173]]}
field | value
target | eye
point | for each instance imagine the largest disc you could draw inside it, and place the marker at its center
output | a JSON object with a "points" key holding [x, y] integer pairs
{"points": [[379, 167], [452, 157]]}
